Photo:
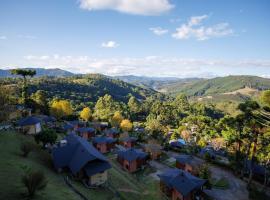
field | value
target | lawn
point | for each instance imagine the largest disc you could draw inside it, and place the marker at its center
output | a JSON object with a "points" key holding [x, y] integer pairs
{"points": [[11, 162], [221, 183], [133, 186]]}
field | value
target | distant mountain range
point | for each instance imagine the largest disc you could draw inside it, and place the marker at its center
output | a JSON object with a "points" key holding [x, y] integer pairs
{"points": [[40, 72], [229, 87]]}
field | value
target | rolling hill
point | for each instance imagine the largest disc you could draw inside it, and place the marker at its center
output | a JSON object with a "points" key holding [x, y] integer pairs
{"points": [[40, 72], [83, 88], [156, 83], [229, 85]]}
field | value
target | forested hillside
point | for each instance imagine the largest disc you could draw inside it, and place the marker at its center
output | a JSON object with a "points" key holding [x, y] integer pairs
{"points": [[83, 88], [218, 85], [40, 72]]}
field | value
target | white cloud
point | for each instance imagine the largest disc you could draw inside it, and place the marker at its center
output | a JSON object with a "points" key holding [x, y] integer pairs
{"points": [[147, 66], [3, 37], [158, 30], [109, 44], [137, 7], [194, 29]]}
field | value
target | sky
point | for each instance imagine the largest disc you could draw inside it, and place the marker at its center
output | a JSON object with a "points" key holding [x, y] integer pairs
{"points": [[180, 38]]}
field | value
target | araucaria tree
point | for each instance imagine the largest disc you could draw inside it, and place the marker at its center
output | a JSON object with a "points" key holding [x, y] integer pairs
{"points": [[24, 73]]}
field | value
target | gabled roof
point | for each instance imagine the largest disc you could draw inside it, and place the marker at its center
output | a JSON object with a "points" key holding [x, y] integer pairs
{"points": [[256, 168], [68, 126], [27, 121], [182, 181], [129, 139], [188, 159], [112, 131], [131, 154], [96, 166], [76, 154], [46, 118], [85, 129], [99, 140]]}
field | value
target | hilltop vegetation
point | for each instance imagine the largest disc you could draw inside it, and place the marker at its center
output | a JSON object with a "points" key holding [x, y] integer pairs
{"points": [[218, 85], [83, 88], [40, 72]]}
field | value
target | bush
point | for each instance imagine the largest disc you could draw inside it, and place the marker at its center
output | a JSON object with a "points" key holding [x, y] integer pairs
{"points": [[46, 136], [33, 181], [26, 148], [256, 194]]}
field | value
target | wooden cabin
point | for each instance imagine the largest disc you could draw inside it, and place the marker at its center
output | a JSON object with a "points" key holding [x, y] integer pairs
{"points": [[82, 159], [86, 132], [177, 184], [188, 163], [154, 150], [112, 132], [128, 142], [30, 125], [131, 159], [104, 144]]}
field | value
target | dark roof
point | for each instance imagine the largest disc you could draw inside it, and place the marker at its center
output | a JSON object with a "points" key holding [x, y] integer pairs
{"points": [[131, 154], [103, 139], [85, 129], [96, 166], [76, 154], [31, 120], [188, 159], [46, 118], [112, 131], [177, 144], [181, 180], [68, 126], [129, 139], [75, 122]]}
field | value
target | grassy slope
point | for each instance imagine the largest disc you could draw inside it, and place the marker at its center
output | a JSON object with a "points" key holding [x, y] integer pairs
{"points": [[134, 187], [220, 85], [10, 174]]}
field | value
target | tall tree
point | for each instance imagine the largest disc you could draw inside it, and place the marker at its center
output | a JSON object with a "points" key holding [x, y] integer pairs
{"points": [[126, 125], [86, 114], [106, 107], [61, 108], [41, 101], [24, 73], [117, 119]]}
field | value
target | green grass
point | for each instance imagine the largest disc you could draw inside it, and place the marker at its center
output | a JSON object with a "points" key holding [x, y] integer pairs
{"points": [[133, 186], [11, 162]]}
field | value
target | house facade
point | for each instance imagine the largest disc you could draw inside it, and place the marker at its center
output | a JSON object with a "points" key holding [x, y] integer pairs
{"points": [[178, 184], [188, 163], [112, 133], [104, 144], [83, 160], [86, 132], [128, 142], [30, 125], [131, 159]]}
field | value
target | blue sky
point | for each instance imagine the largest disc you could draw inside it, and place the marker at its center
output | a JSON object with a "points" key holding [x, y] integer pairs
{"points": [[183, 38]]}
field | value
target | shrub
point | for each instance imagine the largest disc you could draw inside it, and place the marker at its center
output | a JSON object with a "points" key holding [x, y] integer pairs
{"points": [[33, 181], [26, 148]]}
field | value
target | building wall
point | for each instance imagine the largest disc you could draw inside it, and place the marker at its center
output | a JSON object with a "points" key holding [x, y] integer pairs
{"points": [[102, 147], [130, 166], [98, 179], [32, 129], [178, 196]]}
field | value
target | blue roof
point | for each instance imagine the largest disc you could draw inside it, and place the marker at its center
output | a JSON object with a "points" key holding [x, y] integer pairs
{"points": [[103, 140], [256, 168], [47, 118], [129, 139], [67, 127], [112, 131], [96, 166], [75, 154], [31, 120], [181, 180], [184, 158], [85, 129], [131, 154], [75, 122]]}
